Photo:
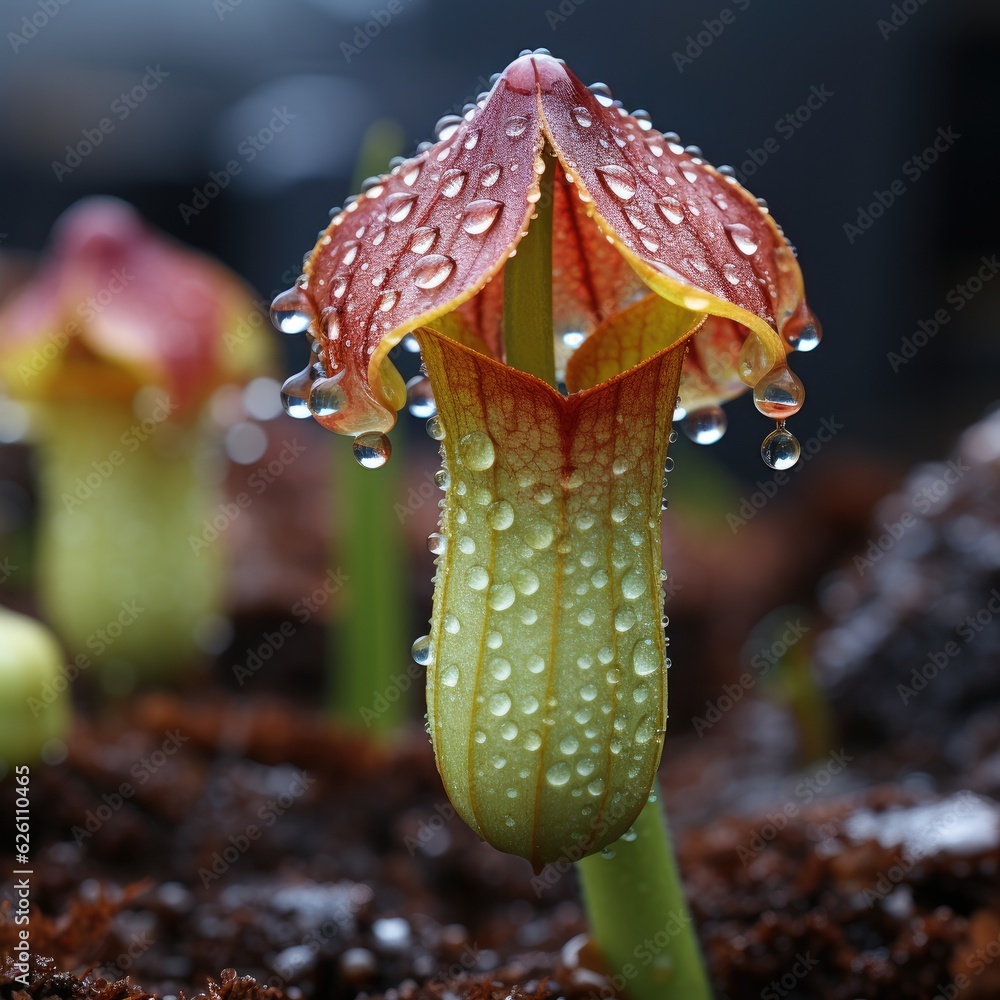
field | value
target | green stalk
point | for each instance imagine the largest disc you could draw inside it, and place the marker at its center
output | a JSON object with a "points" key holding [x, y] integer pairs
{"points": [[638, 915], [634, 896], [368, 651], [527, 291]]}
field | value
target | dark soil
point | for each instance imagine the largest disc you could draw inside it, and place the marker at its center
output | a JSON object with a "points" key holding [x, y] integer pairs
{"points": [[192, 839]]}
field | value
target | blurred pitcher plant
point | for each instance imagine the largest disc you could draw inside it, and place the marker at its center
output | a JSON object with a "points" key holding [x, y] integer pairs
{"points": [[575, 281], [117, 346]]}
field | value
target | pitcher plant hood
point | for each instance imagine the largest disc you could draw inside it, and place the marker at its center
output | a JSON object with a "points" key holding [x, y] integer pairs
{"points": [[546, 656]]}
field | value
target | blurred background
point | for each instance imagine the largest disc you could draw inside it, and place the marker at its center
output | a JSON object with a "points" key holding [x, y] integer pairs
{"points": [[828, 112]]}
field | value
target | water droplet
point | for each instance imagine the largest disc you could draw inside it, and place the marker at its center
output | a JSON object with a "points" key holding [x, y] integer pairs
{"points": [[422, 239], [436, 543], [476, 452], [671, 209], [624, 619], [645, 659], [730, 273], [489, 174], [499, 703], [573, 339], [802, 331], [582, 117], [422, 651], [688, 170], [435, 428], [515, 125], [588, 692], [645, 731], [569, 745], [411, 173], [420, 398], [327, 397], [501, 515], [472, 139], [526, 581], [399, 205], [449, 676], [779, 394], [618, 180], [706, 425], [295, 392], [387, 299], [535, 664], [501, 596], [447, 126], [432, 270], [558, 774], [781, 449], [480, 216], [494, 639], [442, 479], [539, 534], [634, 585], [500, 668], [532, 740], [452, 182], [291, 311], [742, 238], [477, 578], [466, 545], [372, 449], [451, 625]]}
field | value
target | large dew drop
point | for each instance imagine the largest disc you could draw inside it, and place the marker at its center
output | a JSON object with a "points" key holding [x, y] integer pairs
{"points": [[618, 180], [327, 397], [420, 398], [432, 270], [780, 449], [707, 425], [291, 311], [476, 452], [372, 449], [480, 216], [295, 393], [779, 394]]}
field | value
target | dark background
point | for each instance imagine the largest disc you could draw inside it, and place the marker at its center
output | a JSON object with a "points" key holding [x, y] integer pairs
{"points": [[895, 79]]}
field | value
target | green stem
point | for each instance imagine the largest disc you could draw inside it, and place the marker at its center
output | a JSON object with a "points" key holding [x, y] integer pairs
{"points": [[635, 903], [527, 291], [366, 677]]}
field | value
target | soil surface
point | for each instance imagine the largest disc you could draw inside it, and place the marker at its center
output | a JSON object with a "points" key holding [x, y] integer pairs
{"points": [[234, 849]]}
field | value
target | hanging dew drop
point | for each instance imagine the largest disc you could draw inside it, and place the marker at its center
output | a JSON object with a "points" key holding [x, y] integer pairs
{"points": [[779, 394], [422, 651], [706, 425], [436, 543], [327, 397], [420, 398], [780, 449], [435, 429], [291, 311], [372, 449], [295, 393]]}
